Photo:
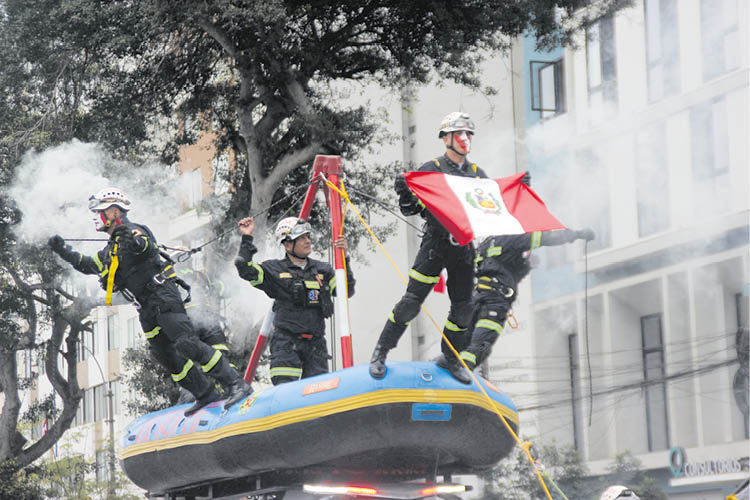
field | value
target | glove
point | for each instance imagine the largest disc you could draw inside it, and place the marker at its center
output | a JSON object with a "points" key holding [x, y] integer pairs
{"points": [[57, 244], [526, 179], [586, 234], [124, 237], [400, 186]]}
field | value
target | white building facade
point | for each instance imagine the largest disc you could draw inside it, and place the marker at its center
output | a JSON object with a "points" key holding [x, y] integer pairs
{"points": [[641, 134]]}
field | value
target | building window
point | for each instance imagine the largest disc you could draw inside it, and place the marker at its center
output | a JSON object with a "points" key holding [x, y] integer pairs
{"points": [[86, 342], [710, 151], [193, 186], [662, 48], [547, 87], [720, 38], [133, 330], [575, 390], [80, 412], [655, 387], [100, 402], [102, 466], [652, 180], [88, 409], [113, 334], [116, 394], [601, 64]]}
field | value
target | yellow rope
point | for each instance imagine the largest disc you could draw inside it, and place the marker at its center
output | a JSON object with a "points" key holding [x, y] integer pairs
{"points": [[453, 349]]}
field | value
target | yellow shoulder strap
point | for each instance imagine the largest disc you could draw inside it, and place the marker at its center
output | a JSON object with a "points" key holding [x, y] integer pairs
{"points": [[111, 275], [436, 161]]}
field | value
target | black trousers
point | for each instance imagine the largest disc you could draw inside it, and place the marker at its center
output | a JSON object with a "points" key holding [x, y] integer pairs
{"points": [[175, 344], [490, 312], [436, 253], [294, 356]]}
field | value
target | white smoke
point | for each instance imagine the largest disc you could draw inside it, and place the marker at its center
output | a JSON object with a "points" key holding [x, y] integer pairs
{"points": [[52, 188]]}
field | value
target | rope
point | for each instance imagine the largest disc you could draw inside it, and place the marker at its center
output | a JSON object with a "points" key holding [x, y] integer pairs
{"points": [[389, 209], [453, 349], [186, 254], [85, 239]]}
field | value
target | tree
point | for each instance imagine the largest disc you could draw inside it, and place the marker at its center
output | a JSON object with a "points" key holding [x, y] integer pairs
{"points": [[514, 477], [263, 74]]}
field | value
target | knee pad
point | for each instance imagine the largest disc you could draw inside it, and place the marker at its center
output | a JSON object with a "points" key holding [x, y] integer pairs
{"points": [[407, 308], [188, 347]]}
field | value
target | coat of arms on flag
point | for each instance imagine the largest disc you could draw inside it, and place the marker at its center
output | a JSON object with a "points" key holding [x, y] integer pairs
{"points": [[473, 208]]}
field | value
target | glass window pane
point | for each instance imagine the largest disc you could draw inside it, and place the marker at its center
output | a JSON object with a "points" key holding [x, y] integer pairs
{"points": [[651, 332], [593, 55], [657, 418], [652, 30], [547, 84]]}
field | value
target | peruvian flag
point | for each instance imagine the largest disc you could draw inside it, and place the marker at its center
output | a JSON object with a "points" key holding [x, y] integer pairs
{"points": [[472, 208]]}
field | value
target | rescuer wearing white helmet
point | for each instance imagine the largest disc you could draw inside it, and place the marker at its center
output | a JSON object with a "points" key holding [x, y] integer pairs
{"points": [[437, 251], [301, 288], [131, 263]]}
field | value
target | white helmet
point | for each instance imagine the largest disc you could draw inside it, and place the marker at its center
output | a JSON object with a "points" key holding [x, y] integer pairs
{"points": [[291, 228], [618, 491], [457, 120], [108, 197]]}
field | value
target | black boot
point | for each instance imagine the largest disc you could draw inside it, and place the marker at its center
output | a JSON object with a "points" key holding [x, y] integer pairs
{"points": [[377, 362], [238, 390], [185, 396], [211, 396], [454, 368]]}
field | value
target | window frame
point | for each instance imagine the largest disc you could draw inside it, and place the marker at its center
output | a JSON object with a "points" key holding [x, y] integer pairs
{"points": [[535, 80]]}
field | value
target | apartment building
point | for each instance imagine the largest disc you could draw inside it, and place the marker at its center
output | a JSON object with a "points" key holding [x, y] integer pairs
{"points": [[641, 133]]}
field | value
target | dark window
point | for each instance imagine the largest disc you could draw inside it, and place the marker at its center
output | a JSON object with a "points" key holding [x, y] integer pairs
{"points": [[575, 390], [662, 48], [601, 63], [652, 180], [547, 87], [709, 137], [720, 39], [655, 387]]}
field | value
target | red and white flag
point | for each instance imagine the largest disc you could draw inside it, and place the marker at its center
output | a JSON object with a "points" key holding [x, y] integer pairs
{"points": [[473, 208]]}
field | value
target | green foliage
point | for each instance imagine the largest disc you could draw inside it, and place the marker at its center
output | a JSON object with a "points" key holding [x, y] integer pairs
{"points": [[515, 478], [150, 384]]}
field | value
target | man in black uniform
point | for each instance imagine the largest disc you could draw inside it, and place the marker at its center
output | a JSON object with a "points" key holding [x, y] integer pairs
{"points": [[302, 288], [501, 263], [132, 265], [437, 251]]}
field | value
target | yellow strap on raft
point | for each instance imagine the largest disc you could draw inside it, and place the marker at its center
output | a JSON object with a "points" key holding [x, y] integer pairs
{"points": [[111, 276]]}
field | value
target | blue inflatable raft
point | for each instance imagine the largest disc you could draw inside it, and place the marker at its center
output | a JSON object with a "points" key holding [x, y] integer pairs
{"points": [[415, 422]]}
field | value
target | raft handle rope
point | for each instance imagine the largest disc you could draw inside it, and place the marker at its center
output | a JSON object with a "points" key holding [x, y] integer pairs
{"points": [[453, 349]]}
